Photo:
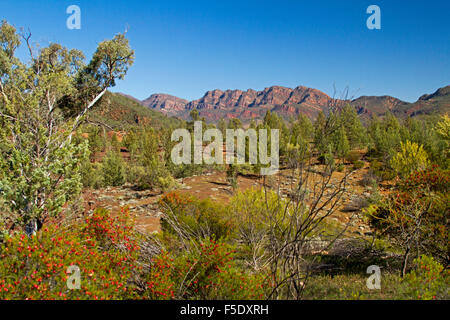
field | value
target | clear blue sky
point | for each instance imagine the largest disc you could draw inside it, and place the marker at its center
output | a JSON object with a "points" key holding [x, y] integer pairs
{"points": [[185, 48]]}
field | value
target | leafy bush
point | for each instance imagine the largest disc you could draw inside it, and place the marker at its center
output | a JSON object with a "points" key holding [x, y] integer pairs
{"points": [[201, 218], [149, 176], [358, 165], [166, 183], [382, 171], [417, 213], [254, 214], [102, 247], [432, 179], [353, 156]]}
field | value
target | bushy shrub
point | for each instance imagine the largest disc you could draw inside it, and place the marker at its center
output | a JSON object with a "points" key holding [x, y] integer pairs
{"points": [[102, 247], [432, 179], [97, 141], [326, 159], [166, 183], [91, 174], [353, 156], [358, 165], [429, 281], [254, 214], [113, 169], [412, 157], [382, 171], [207, 273], [201, 218], [152, 175], [138, 176], [417, 210]]}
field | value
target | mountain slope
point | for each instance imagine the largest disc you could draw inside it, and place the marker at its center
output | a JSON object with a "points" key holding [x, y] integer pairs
{"points": [[169, 105], [287, 102], [119, 111], [428, 104]]}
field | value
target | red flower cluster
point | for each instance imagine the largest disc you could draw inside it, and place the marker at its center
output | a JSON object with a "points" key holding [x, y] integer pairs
{"points": [[103, 248]]}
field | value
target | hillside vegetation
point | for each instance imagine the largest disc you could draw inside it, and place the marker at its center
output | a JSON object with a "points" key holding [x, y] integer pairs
{"points": [[88, 188]]}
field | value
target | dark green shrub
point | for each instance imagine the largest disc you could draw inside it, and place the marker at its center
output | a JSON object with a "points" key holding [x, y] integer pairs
{"points": [[326, 159], [429, 280], [353, 156], [201, 218], [358, 165], [91, 174]]}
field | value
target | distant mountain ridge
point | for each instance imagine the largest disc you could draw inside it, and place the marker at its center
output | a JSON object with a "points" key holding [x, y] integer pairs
{"points": [[287, 102], [166, 103]]}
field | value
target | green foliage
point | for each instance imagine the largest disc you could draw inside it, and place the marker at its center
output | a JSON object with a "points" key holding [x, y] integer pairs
{"points": [[355, 132], [113, 168], [253, 214], [97, 139], [415, 216], [386, 136], [353, 156], [441, 152], [295, 142], [166, 183], [339, 140], [326, 159], [207, 273], [411, 158], [320, 133], [147, 168], [301, 129], [353, 287], [429, 281], [202, 218], [104, 248], [443, 128], [42, 104], [358, 165], [91, 174], [381, 171], [33, 188], [232, 176], [339, 132]]}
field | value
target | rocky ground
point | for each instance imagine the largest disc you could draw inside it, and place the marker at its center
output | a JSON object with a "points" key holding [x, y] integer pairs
{"points": [[143, 204]]}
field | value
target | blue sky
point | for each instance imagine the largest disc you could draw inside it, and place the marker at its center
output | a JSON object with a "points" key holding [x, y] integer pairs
{"points": [[185, 48]]}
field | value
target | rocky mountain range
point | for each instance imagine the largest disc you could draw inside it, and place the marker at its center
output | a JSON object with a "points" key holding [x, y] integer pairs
{"points": [[287, 102]]}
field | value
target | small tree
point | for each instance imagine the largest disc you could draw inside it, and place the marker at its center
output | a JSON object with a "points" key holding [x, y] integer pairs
{"points": [[113, 169]]}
